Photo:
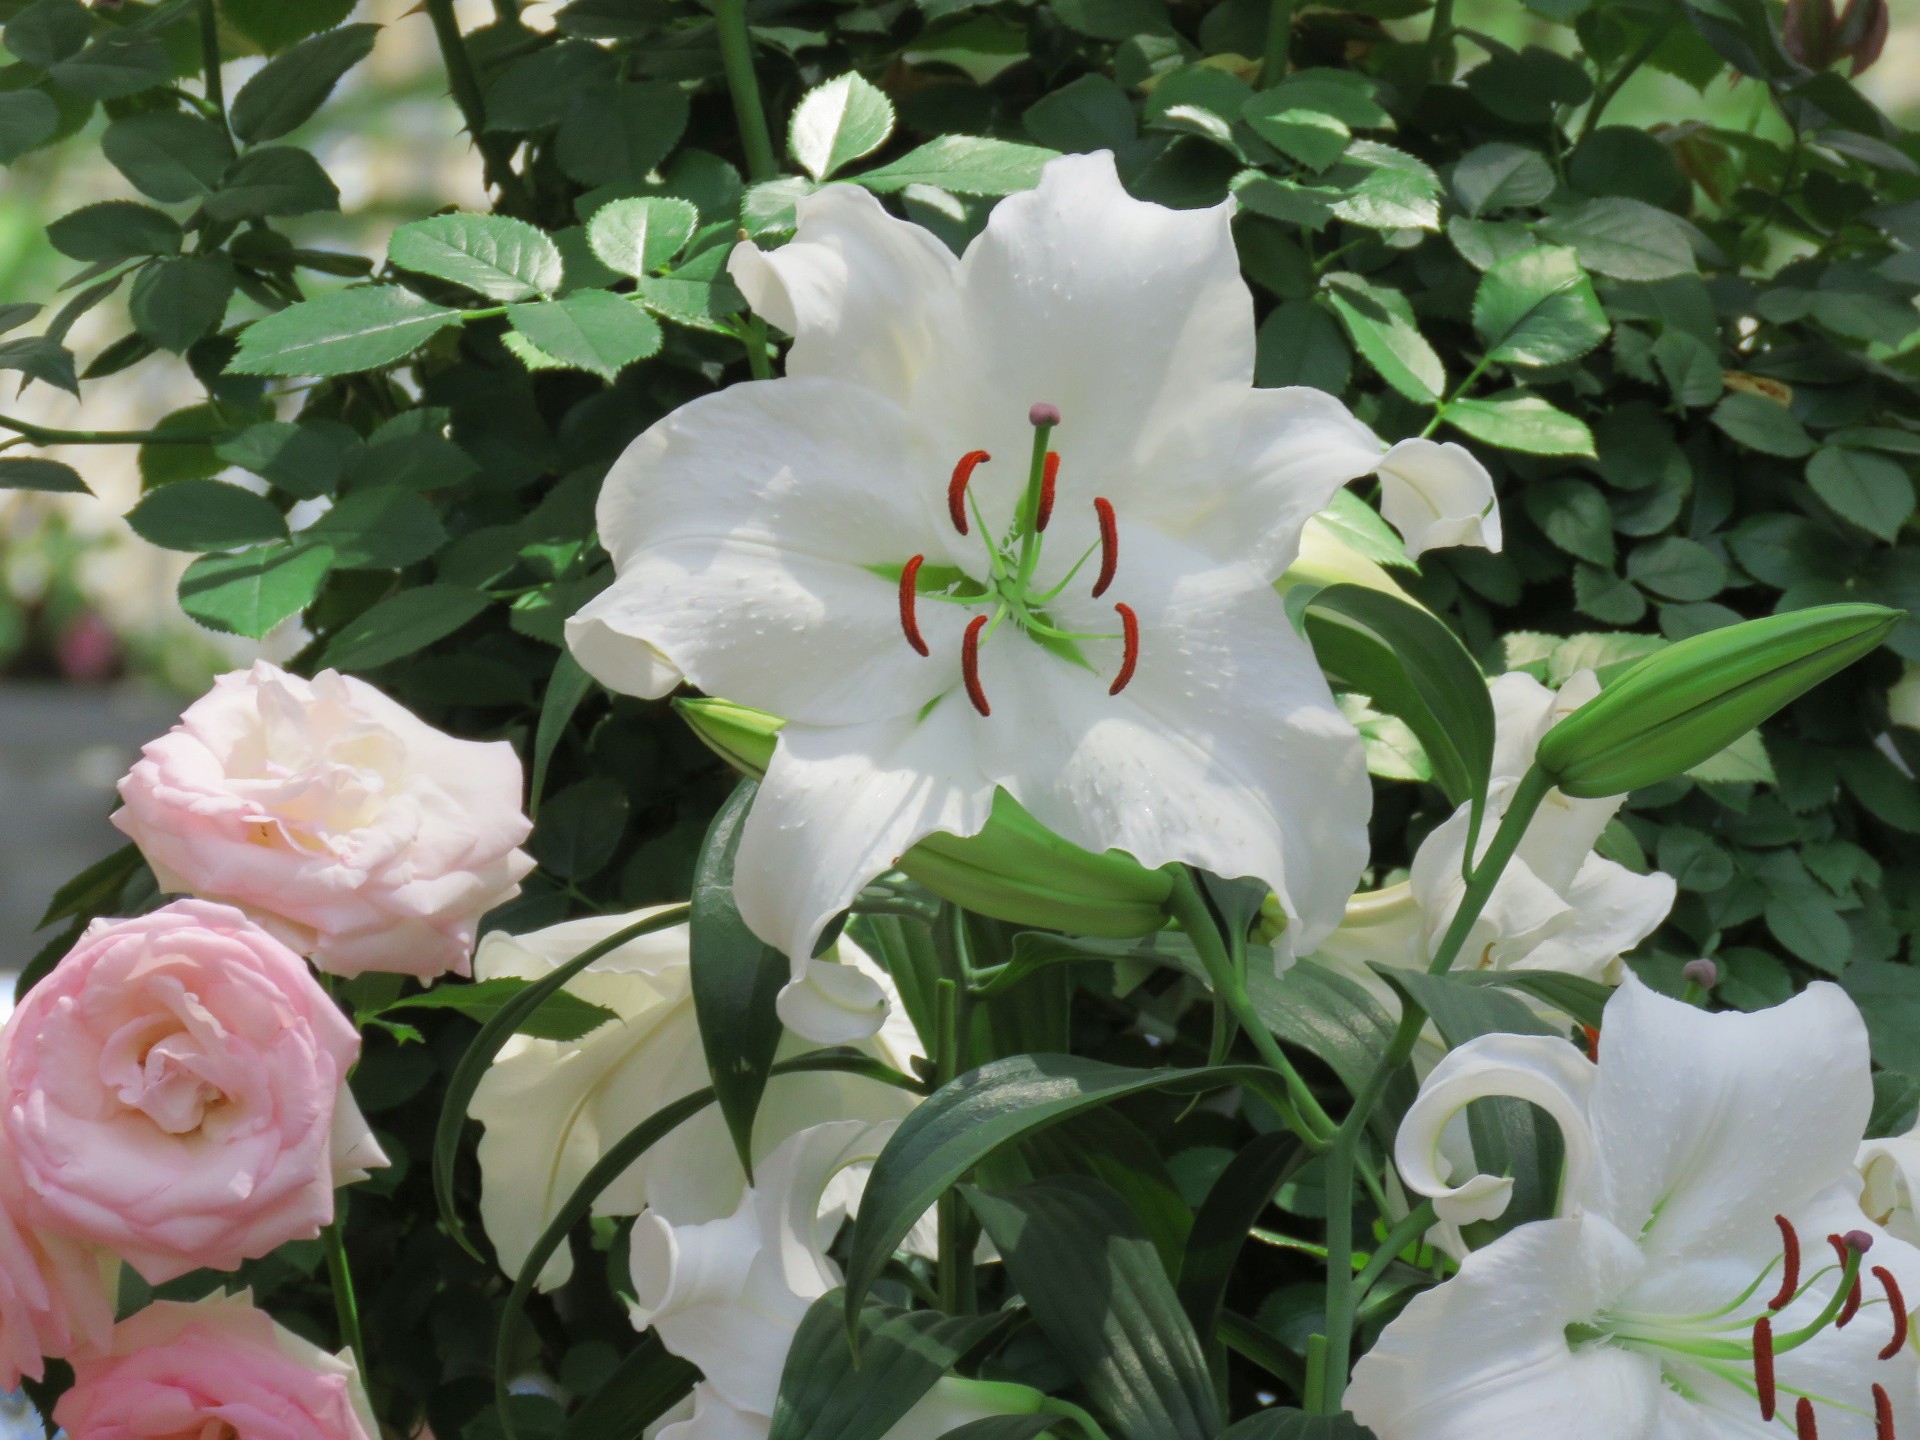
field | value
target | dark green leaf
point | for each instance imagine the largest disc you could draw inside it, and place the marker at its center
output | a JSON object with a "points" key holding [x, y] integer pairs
{"points": [[167, 156], [1575, 516], [1677, 568], [963, 164], [21, 472], [648, 1384], [401, 624], [301, 460], [566, 688], [27, 118], [290, 87], [1113, 19], [1873, 492], [637, 237], [1381, 324], [1286, 1423], [491, 255], [96, 888], [1233, 1207], [829, 1388], [1538, 308], [736, 979], [1624, 238], [580, 828], [1005, 1427], [836, 123], [42, 358], [48, 31], [118, 63], [1461, 1010], [592, 330], [359, 329], [1094, 1284], [176, 302], [563, 1016], [253, 591], [275, 24], [1299, 343], [114, 230], [1515, 420], [618, 134], [1501, 176], [1760, 424], [203, 515], [379, 529], [1411, 665], [277, 180], [1888, 995]]}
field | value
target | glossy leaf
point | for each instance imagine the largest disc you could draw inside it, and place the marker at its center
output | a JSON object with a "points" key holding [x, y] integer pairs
{"points": [[404, 622], [201, 515], [491, 255], [359, 329], [838, 122], [288, 89]]}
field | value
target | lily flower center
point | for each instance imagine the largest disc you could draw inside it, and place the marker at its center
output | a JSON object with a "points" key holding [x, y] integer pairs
{"points": [[1009, 592], [1738, 1344]]}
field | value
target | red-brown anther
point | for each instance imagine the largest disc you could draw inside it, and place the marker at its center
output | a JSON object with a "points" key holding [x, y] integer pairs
{"points": [[1049, 475], [1898, 1305], [970, 664], [1882, 1414], [1790, 1275], [909, 592], [1592, 1034], [1844, 1252], [1763, 1366], [1129, 647], [1803, 1425], [957, 487], [1109, 545]]}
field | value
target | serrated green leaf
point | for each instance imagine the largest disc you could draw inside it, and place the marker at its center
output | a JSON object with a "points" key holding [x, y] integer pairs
{"points": [[491, 255], [1380, 322], [1515, 420], [359, 329], [616, 135], [1623, 238], [27, 118], [274, 180], [43, 358], [838, 122], [638, 237], [119, 63], [1538, 308], [401, 624], [302, 460], [1760, 424], [167, 156], [1676, 568], [592, 330], [965, 165], [1393, 191], [384, 528], [251, 592], [176, 302], [285, 92], [1501, 176], [48, 31], [1870, 490], [562, 1016], [25, 472], [200, 515], [114, 230]]}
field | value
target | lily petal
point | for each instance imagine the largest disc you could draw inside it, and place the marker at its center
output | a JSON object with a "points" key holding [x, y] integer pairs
{"points": [[1542, 1069], [1437, 495]]}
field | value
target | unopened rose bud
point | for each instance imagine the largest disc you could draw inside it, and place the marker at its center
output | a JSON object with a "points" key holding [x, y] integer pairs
{"points": [[1702, 972], [1043, 414], [1818, 38]]}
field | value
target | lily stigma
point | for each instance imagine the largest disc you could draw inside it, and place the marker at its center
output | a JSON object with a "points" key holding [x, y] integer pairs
{"points": [[1012, 559]]}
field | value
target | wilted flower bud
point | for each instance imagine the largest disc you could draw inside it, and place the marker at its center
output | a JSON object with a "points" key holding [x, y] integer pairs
{"points": [[1695, 698], [1015, 869], [1815, 37]]}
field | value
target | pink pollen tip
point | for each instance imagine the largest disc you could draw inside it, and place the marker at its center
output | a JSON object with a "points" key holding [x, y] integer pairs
{"points": [[1042, 413], [1858, 1241], [1702, 972]]}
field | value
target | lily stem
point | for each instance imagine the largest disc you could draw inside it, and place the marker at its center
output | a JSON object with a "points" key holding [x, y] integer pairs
{"points": [[1311, 1122], [1343, 1291], [346, 1305], [954, 1264], [736, 57], [1533, 788]]}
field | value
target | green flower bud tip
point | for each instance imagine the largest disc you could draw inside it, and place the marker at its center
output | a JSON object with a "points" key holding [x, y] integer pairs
{"points": [[1015, 869], [1694, 698]]}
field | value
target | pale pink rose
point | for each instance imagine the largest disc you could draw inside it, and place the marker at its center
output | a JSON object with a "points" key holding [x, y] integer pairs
{"points": [[175, 1091], [218, 1367], [54, 1292], [357, 833]]}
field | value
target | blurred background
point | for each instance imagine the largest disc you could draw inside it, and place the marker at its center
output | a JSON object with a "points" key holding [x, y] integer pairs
{"points": [[96, 657]]}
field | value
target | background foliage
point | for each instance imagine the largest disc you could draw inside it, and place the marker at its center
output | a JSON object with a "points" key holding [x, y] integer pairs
{"points": [[1687, 351]]}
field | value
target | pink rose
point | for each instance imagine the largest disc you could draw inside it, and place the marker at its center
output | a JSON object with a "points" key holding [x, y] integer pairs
{"points": [[218, 1367], [175, 1091], [54, 1293], [336, 818]]}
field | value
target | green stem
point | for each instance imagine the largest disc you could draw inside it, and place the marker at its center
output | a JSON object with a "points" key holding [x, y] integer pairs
{"points": [[44, 435], [1279, 42], [1342, 1290], [1533, 788], [1311, 1122], [464, 84], [1418, 1222], [346, 1307], [736, 56], [1458, 390], [955, 1261], [1603, 96], [216, 95], [754, 337], [1440, 42]]}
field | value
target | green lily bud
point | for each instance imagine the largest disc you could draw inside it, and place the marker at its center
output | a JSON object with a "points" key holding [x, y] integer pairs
{"points": [[1015, 869], [1691, 700]]}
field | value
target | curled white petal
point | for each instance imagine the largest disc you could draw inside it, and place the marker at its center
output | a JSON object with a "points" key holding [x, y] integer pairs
{"points": [[1541, 1069], [1436, 494], [832, 1004]]}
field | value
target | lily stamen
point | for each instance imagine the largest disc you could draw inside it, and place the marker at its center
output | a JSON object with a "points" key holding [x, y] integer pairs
{"points": [[1790, 1248], [1882, 1414], [957, 487], [1803, 1423], [1763, 1366], [1898, 1305], [1049, 478], [1130, 647], [909, 592], [970, 664], [1109, 545]]}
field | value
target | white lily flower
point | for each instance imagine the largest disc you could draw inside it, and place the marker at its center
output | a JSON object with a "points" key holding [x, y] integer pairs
{"points": [[729, 1295], [1890, 1182], [1558, 905], [1010, 522], [1437, 494], [552, 1108], [1688, 1287]]}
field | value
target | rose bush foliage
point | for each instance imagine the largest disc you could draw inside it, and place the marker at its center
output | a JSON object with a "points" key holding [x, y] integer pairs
{"points": [[1686, 357]]}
